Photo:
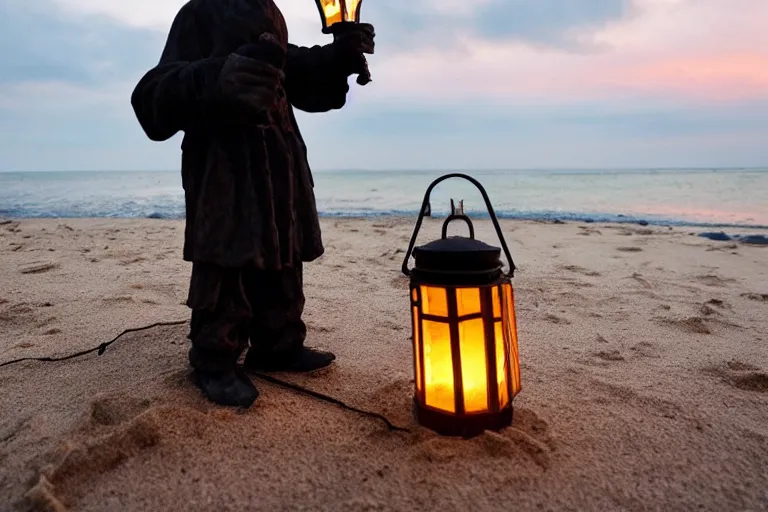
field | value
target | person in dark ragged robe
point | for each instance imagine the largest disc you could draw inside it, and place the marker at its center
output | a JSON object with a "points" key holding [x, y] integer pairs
{"points": [[229, 79]]}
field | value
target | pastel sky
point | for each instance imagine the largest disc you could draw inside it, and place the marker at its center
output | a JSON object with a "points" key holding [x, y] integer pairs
{"points": [[458, 84]]}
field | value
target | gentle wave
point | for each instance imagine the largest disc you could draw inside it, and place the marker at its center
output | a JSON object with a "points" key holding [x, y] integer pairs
{"points": [[706, 198], [177, 212]]}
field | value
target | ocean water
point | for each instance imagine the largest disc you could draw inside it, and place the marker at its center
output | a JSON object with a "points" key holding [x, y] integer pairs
{"points": [[720, 197]]}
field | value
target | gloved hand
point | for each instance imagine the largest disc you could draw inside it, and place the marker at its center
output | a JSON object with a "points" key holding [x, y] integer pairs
{"points": [[350, 44], [251, 76], [267, 50]]}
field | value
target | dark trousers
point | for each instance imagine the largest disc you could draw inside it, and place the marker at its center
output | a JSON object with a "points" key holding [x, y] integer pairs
{"points": [[232, 306]]}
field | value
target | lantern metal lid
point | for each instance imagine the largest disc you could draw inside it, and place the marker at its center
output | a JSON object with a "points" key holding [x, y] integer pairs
{"points": [[457, 258]]}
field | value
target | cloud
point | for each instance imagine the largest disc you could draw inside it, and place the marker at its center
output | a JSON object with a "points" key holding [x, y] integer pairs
{"points": [[45, 43], [483, 83], [546, 21], [703, 50]]}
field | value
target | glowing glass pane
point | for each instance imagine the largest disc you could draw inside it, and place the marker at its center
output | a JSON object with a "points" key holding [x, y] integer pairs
{"points": [[434, 301], [474, 373], [468, 301], [417, 349], [438, 366], [501, 370], [511, 334], [331, 11], [496, 302]]}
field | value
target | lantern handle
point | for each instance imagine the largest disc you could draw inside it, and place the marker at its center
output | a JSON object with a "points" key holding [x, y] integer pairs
{"points": [[458, 214], [425, 205]]}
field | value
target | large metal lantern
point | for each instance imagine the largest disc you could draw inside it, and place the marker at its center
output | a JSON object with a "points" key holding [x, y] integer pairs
{"points": [[338, 16], [465, 351]]}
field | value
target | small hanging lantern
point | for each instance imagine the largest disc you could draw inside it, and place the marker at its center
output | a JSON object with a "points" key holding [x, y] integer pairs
{"points": [[338, 16], [465, 354]]}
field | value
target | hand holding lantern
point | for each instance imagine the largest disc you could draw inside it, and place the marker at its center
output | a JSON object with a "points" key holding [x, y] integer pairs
{"points": [[354, 39]]}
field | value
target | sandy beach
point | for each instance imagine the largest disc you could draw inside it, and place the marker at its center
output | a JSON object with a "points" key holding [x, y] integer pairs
{"points": [[643, 357]]}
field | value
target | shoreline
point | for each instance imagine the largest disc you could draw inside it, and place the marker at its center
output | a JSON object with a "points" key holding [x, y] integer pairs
{"points": [[544, 218]]}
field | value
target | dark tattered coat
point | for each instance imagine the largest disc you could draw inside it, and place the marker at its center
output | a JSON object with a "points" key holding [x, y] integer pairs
{"points": [[247, 182]]}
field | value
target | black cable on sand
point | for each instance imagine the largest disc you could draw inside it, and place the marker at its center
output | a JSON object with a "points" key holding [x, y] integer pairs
{"points": [[268, 378]]}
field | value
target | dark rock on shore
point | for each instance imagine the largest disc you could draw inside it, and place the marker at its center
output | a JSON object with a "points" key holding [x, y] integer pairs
{"points": [[754, 239], [747, 239], [719, 237]]}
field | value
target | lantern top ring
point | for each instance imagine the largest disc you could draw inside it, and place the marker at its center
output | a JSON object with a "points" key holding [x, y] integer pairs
{"points": [[459, 216]]}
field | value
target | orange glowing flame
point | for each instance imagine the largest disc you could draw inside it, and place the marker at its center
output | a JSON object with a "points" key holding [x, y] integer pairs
{"points": [[333, 13], [352, 6]]}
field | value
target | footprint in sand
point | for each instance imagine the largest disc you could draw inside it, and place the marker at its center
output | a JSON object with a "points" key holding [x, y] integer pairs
{"points": [[738, 366], [610, 355], [640, 279], [586, 231], [393, 254], [713, 307], [714, 280], [132, 429], [645, 349], [694, 325], [12, 226], [581, 270], [131, 261], [742, 375], [556, 320], [46, 322], [629, 249], [759, 297], [720, 303], [311, 326], [18, 314], [752, 382], [38, 267]]}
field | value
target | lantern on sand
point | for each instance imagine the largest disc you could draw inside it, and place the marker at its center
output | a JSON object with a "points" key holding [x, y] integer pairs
{"points": [[464, 333], [339, 16]]}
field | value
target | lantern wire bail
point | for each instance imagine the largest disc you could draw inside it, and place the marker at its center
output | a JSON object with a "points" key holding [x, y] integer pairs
{"points": [[457, 215]]}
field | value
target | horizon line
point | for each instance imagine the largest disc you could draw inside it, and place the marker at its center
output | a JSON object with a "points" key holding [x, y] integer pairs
{"points": [[444, 170]]}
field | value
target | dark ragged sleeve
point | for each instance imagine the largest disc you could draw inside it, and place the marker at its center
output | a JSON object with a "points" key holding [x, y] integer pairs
{"points": [[314, 81], [179, 91]]}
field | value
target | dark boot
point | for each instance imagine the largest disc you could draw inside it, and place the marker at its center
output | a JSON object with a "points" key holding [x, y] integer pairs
{"points": [[277, 332], [304, 360], [231, 388], [219, 334]]}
